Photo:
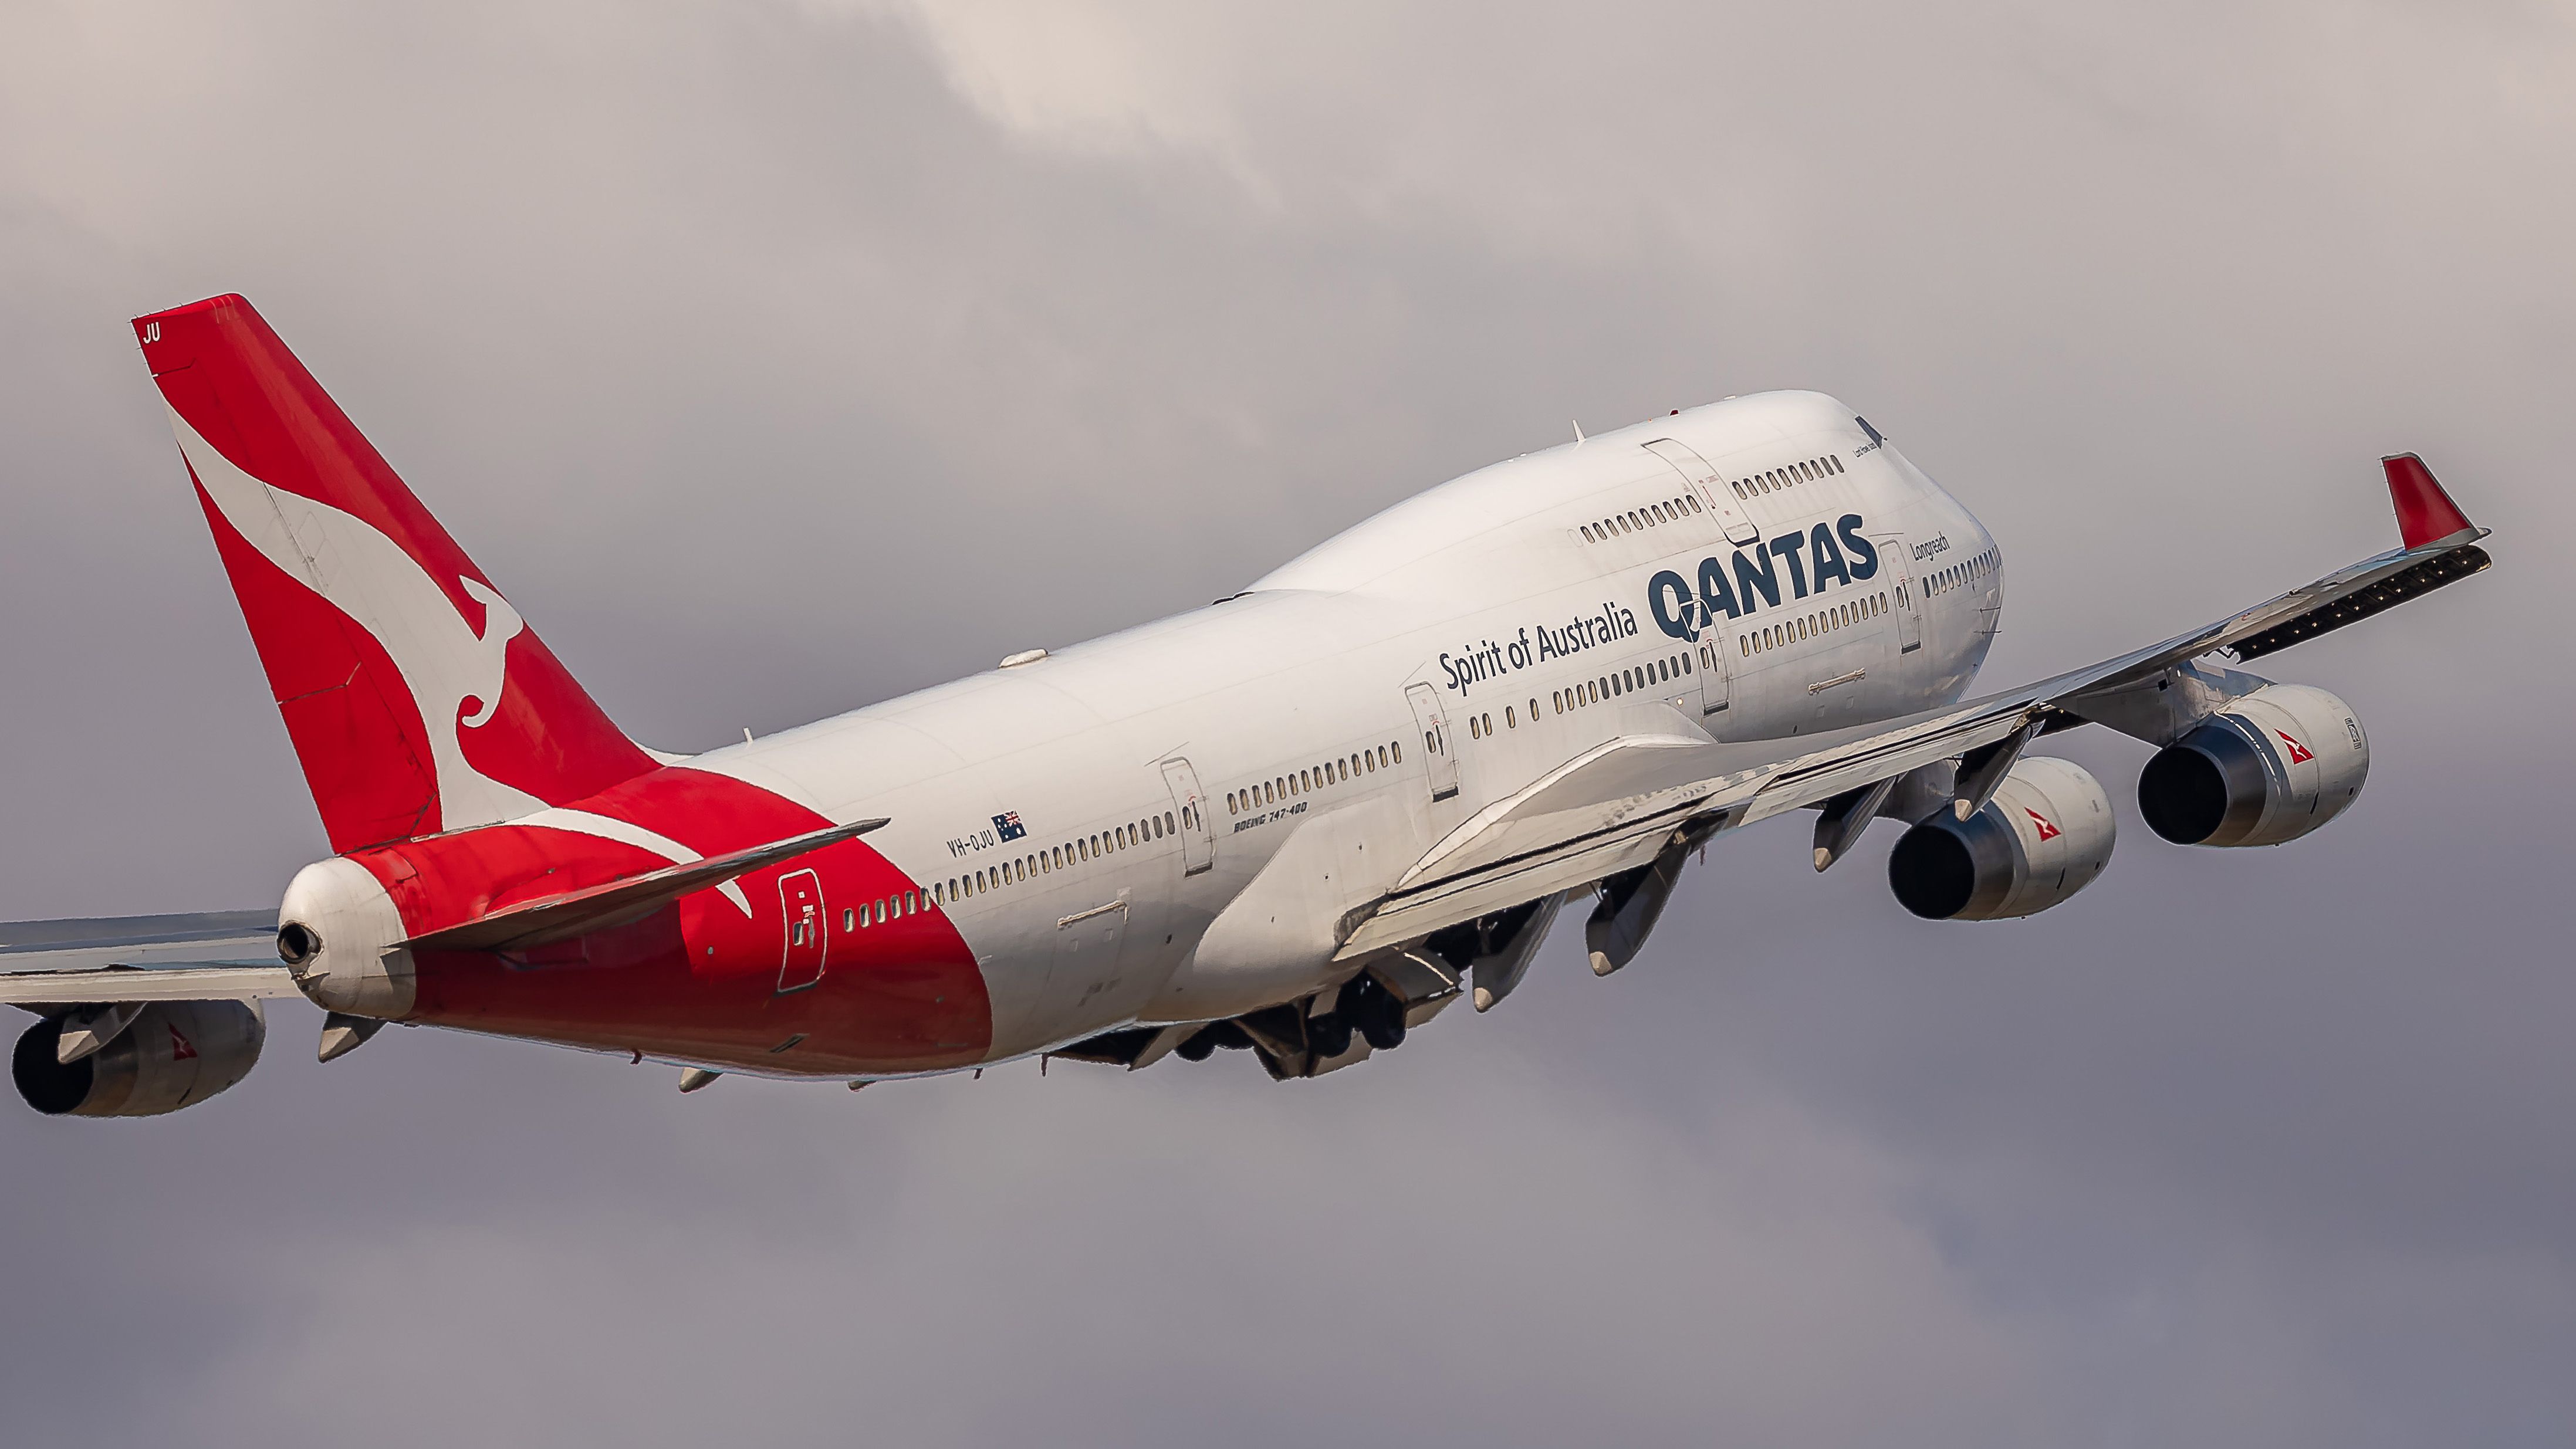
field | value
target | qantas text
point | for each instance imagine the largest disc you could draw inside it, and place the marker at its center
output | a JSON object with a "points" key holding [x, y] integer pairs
{"points": [[1789, 567]]}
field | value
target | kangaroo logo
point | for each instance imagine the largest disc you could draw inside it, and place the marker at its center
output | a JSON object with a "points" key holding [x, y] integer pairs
{"points": [[455, 673], [491, 669]]}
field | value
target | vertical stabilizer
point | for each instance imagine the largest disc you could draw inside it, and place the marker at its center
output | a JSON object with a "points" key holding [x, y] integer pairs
{"points": [[417, 698]]}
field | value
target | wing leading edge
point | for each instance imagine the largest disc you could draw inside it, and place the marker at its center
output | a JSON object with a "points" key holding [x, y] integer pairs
{"points": [[1624, 803]]}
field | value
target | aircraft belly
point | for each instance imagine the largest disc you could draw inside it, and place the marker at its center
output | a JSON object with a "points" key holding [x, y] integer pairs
{"points": [[1276, 939]]}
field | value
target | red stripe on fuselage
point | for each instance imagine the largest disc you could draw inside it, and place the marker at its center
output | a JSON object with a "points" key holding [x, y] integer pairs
{"points": [[698, 979]]}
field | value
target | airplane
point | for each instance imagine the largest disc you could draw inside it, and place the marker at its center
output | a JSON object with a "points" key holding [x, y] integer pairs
{"points": [[1300, 822]]}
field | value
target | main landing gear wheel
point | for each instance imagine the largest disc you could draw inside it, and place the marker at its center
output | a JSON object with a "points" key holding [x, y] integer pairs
{"points": [[1375, 1011], [1329, 1034]]}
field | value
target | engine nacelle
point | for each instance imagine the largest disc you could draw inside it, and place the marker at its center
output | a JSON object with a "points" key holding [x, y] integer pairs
{"points": [[174, 1054], [2044, 836], [2266, 768]]}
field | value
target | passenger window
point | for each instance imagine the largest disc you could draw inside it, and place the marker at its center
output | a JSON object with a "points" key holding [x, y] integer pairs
{"points": [[1397, 747], [849, 919]]}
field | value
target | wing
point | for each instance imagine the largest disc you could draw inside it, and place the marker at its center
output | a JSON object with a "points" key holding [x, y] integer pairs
{"points": [[1623, 803], [200, 956]]}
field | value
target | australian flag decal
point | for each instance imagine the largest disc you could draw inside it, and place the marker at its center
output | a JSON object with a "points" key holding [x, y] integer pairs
{"points": [[1007, 825]]}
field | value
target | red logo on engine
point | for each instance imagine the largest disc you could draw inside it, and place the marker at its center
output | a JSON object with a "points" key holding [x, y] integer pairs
{"points": [[2299, 754], [2046, 830], [180, 1051]]}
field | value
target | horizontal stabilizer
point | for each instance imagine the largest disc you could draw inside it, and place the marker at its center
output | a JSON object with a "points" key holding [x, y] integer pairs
{"points": [[193, 938], [578, 913], [140, 983]]}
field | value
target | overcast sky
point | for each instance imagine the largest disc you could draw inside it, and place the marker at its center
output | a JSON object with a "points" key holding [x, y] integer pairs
{"points": [[778, 358]]}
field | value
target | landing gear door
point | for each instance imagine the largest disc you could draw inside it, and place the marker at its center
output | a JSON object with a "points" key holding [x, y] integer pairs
{"points": [[1439, 761], [1897, 559], [1711, 490], [1189, 808]]}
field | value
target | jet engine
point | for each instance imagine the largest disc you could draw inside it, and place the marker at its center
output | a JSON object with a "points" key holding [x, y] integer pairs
{"points": [[2045, 835], [2266, 768], [171, 1054]]}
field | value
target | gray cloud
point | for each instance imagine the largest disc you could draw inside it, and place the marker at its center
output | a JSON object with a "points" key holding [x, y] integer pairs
{"points": [[778, 359]]}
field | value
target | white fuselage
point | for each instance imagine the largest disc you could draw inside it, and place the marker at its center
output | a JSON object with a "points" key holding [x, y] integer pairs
{"points": [[1505, 607]]}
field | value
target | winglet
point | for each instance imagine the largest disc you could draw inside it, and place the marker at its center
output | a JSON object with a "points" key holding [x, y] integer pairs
{"points": [[2425, 514]]}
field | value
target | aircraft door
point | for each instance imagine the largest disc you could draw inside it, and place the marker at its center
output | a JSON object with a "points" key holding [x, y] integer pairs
{"points": [[1713, 678], [1189, 808], [800, 900], [1439, 762], [1897, 559], [1712, 490]]}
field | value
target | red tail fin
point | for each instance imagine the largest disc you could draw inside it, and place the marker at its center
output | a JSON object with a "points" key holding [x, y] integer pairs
{"points": [[417, 698]]}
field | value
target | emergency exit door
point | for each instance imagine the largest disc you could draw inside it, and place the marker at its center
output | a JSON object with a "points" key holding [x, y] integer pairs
{"points": [[800, 901], [1896, 559], [1189, 811], [1439, 761]]}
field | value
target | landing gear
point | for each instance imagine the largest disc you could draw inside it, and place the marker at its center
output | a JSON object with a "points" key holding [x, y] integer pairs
{"points": [[1215, 1034], [1374, 1010], [1329, 1034]]}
